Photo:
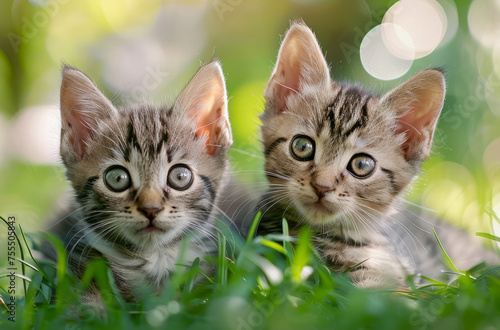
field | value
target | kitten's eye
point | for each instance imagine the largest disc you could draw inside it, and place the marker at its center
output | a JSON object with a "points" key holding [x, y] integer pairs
{"points": [[117, 179], [302, 148], [361, 166], [180, 177]]}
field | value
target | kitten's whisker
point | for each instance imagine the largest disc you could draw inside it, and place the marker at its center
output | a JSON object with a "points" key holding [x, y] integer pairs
{"points": [[412, 236], [247, 153], [296, 92]]}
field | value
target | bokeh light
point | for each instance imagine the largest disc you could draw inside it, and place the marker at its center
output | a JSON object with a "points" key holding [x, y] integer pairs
{"points": [[491, 158], [452, 194], [424, 23], [450, 9], [156, 57], [35, 135], [132, 16], [484, 23], [492, 93], [378, 60]]}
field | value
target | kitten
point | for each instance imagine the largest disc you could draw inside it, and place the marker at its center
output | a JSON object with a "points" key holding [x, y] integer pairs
{"points": [[338, 158], [144, 177]]}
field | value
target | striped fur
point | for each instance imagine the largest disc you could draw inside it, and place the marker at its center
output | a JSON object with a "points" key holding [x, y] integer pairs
{"points": [[148, 141], [343, 121]]}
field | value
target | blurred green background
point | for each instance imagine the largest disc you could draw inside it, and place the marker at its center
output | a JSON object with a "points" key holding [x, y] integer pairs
{"points": [[138, 50]]}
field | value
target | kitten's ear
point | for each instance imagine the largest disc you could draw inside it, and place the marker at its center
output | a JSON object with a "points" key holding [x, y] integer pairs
{"points": [[300, 63], [82, 107], [418, 103], [205, 100]]}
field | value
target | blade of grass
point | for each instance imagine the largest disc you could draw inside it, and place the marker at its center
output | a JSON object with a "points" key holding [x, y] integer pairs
{"points": [[61, 254], [193, 272], [491, 271], [492, 214], [3, 289], [273, 245], [273, 273], [286, 244], [350, 269], [3, 303], [302, 255], [434, 281], [284, 224], [24, 277], [40, 269], [444, 252], [253, 227], [222, 259], [33, 289], [20, 250], [488, 236], [27, 264]]}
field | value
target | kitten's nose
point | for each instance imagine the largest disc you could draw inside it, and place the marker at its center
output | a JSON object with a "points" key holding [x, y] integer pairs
{"points": [[321, 189], [150, 211]]}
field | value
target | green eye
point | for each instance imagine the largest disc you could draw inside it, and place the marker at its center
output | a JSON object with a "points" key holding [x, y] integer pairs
{"points": [[180, 177], [361, 166], [117, 179], [302, 148]]}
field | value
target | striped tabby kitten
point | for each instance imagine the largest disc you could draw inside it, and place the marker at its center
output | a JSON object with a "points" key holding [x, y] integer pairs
{"points": [[337, 157], [144, 177]]}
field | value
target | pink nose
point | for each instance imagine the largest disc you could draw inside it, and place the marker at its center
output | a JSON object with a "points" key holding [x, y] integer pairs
{"points": [[320, 189], [150, 211]]}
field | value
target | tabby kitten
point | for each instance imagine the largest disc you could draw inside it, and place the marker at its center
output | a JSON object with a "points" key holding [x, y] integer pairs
{"points": [[337, 157], [144, 177]]}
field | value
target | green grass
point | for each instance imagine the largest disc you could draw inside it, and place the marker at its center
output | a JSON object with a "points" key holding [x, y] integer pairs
{"points": [[264, 283]]}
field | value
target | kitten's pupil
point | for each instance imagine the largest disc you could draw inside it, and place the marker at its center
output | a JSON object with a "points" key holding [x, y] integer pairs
{"points": [[302, 148], [117, 179], [361, 165], [180, 177]]}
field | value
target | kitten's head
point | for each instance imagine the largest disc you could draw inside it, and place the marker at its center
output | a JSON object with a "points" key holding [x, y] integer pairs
{"points": [[335, 152], [144, 174]]}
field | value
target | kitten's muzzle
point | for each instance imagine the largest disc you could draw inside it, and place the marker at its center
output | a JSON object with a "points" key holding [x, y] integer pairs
{"points": [[320, 189], [150, 211]]}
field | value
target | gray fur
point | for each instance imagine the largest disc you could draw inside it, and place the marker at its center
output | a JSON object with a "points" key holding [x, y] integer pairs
{"points": [[349, 215], [148, 141]]}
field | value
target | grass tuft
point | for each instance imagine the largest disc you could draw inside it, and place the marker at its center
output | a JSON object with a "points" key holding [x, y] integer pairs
{"points": [[263, 282]]}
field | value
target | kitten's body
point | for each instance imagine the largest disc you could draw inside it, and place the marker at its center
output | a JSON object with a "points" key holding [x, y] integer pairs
{"points": [[144, 177], [339, 158]]}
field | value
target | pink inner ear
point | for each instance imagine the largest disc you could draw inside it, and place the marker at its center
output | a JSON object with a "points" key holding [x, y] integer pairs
{"points": [[287, 81], [81, 130], [418, 125], [208, 124]]}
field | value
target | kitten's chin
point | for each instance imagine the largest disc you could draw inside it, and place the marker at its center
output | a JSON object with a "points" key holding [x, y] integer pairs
{"points": [[159, 233], [317, 214]]}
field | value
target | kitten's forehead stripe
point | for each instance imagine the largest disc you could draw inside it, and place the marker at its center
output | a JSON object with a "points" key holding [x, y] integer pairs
{"points": [[273, 145], [169, 154], [330, 114], [132, 141], [347, 112], [162, 142], [361, 113]]}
